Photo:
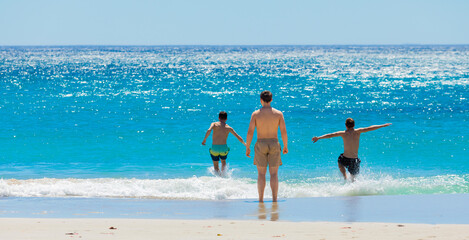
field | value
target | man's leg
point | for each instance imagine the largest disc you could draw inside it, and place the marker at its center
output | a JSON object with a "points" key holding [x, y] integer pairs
{"points": [[274, 182], [342, 170], [261, 171]]}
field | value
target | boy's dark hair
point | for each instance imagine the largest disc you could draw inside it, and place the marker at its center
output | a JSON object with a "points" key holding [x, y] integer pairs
{"points": [[349, 123], [266, 96], [223, 115]]}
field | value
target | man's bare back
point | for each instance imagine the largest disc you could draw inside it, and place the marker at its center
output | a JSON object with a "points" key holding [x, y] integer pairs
{"points": [[267, 121]]}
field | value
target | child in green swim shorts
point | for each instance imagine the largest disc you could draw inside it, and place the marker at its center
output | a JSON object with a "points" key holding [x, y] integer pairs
{"points": [[219, 148]]}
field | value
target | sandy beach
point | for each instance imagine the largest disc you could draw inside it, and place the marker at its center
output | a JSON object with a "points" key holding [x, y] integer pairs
{"points": [[51, 229]]}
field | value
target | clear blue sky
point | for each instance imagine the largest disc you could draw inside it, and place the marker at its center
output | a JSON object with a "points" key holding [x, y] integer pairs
{"points": [[221, 22]]}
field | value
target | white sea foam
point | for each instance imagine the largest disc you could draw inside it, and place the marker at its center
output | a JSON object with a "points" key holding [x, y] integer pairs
{"points": [[214, 188]]}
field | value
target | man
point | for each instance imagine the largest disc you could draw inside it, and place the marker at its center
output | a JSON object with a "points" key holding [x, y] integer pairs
{"points": [[351, 137], [267, 150], [219, 148]]}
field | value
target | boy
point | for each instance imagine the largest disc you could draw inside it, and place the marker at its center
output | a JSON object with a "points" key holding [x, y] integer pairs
{"points": [[351, 137], [219, 148]]}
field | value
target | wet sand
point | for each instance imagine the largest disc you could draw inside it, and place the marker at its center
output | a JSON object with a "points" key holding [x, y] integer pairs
{"points": [[355, 217]]}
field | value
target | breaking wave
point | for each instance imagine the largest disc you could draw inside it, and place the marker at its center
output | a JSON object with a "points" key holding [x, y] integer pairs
{"points": [[215, 188]]}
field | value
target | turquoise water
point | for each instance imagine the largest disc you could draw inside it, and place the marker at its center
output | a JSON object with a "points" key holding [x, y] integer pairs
{"points": [[129, 121]]}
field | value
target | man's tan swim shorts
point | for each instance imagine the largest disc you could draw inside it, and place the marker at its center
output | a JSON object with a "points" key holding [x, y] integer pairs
{"points": [[267, 152]]}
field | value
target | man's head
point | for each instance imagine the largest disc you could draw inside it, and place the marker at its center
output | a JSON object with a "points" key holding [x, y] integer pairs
{"points": [[223, 116], [349, 123], [266, 96]]}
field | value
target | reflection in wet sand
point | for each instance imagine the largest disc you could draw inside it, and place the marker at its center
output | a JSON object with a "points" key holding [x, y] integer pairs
{"points": [[273, 211]]}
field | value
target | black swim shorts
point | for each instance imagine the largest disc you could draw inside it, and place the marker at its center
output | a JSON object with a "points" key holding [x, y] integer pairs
{"points": [[352, 164]]}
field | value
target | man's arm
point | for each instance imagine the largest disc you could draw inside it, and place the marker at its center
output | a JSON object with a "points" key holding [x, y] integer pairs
{"points": [[252, 127], [232, 131], [372, 128], [283, 132], [329, 135], [207, 134]]}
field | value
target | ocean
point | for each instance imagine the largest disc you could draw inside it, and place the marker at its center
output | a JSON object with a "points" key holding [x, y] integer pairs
{"points": [[128, 121]]}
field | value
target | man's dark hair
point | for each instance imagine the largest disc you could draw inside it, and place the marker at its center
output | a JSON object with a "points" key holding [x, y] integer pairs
{"points": [[223, 115], [349, 123], [266, 96]]}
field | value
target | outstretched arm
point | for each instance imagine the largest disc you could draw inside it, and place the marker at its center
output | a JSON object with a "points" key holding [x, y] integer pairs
{"points": [[329, 135], [252, 127], [283, 132], [240, 139], [372, 128], [207, 134]]}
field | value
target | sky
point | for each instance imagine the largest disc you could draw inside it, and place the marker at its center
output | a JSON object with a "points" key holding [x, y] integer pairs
{"points": [[236, 22]]}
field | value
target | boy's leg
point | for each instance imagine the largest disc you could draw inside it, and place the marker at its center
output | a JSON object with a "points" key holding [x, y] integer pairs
{"points": [[223, 162], [223, 165], [354, 169], [342, 170], [215, 166], [215, 160], [261, 171]]}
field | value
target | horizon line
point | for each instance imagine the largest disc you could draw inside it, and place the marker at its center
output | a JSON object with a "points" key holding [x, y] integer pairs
{"points": [[228, 45]]}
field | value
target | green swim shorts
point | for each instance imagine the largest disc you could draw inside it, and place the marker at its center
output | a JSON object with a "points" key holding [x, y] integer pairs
{"points": [[218, 152]]}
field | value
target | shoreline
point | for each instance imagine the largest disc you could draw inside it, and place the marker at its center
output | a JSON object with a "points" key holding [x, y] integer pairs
{"points": [[85, 228], [417, 209]]}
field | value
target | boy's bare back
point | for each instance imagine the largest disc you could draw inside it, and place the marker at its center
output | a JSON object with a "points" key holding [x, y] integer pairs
{"points": [[220, 132], [351, 139]]}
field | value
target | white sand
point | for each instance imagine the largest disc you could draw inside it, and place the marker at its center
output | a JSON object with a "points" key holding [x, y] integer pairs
{"points": [[51, 229]]}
